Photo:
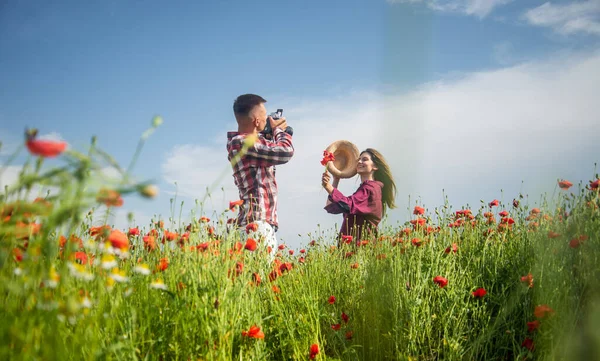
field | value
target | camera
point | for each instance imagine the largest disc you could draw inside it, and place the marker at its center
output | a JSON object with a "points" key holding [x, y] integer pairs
{"points": [[268, 131]]}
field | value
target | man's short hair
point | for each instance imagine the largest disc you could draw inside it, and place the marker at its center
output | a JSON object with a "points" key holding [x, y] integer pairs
{"points": [[245, 103]]}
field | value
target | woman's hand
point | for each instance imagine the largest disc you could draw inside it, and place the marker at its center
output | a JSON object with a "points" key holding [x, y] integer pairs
{"points": [[325, 182]]}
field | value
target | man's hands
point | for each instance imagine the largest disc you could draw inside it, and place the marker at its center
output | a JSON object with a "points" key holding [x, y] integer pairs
{"points": [[277, 123]]}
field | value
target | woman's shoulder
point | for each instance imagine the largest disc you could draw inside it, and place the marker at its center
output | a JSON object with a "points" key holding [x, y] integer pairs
{"points": [[372, 184]]}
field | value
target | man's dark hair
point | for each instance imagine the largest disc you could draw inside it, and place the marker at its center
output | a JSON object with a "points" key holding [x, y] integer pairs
{"points": [[244, 104]]}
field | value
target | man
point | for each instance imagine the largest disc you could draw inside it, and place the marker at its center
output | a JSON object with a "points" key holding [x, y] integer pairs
{"points": [[253, 159]]}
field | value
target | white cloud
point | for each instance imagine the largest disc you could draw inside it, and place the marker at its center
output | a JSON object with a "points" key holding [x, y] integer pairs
{"points": [[478, 8], [566, 19], [484, 135]]}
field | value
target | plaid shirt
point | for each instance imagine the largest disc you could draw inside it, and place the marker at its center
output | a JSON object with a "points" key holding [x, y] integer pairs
{"points": [[254, 174]]}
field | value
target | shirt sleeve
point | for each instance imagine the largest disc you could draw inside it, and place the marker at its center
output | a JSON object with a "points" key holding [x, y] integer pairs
{"points": [[267, 153], [358, 203], [336, 207]]}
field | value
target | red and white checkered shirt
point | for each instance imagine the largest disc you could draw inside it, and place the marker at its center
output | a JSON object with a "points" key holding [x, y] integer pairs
{"points": [[254, 174]]}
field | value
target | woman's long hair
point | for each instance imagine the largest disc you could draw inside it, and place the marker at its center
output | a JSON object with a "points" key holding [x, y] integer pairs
{"points": [[384, 175]]}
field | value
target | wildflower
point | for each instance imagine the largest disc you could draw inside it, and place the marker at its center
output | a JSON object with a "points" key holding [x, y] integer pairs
{"points": [[419, 211], [336, 326], [251, 227], [528, 344], [163, 264], [533, 325], [256, 278], [565, 184], [204, 219], [349, 335], [170, 236], [515, 203], [109, 197], [345, 317], [441, 281], [494, 203], [574, 243], [149, 242], [528, 279], [327, 157], [118, 239], [118, 275], [275, 289], [158, 284], [79, 271], [250, 244], [17, 254], [479, 293], [133, 232], [504, 213], [346, 239], [254, 332], [149, 191], [314, 351], [453, 249], [43, 148], [354, 266], [331, 300], [542, 311], [416, 242], [234, 204], [303, 251], [281, 247], [108, 261], [594, 184], [553, 234], [142, 269]]}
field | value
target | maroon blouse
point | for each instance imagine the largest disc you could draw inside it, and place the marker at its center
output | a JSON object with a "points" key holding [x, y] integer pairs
{"points": [[362, 210]]}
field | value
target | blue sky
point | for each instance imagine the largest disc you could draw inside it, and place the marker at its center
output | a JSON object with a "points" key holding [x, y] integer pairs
{"points": [[338, 68]]}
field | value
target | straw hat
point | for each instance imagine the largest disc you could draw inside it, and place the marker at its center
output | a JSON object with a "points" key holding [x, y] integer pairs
{"points": [[346, 159]]}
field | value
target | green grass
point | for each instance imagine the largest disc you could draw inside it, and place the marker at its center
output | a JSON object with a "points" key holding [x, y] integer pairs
{"points": [[395, 310]]}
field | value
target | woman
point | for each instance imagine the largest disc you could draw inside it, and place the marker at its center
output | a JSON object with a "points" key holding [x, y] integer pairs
{"points": [[364, 209]]}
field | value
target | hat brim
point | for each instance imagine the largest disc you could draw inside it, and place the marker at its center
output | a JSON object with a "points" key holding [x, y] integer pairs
{"points": [[346, 159]]}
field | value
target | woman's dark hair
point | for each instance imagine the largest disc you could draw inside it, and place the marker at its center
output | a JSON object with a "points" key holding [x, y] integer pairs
{"points": [[384, 175]]}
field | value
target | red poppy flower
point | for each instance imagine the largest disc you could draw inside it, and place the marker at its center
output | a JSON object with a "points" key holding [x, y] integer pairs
{"points": [[275, 289], [118, 239], [109, 197], [43, 148], [347, 239], [542, 311], [254, 332], [533, 325], [17, 254], [349, 335], [327, 157], [291, 252], [256, 278], [479, 293], [441, 281], [81, 257], [574, 243], [250, 244], [565, 184], [345, 317], [133, 232], [515, 203], [494, 203], [314, 351], [163, 264], [251, 227], [416, 242], [233, 204], [594, 185], [354, 266], [331, 300], [528, 344], [336, 327], [149, 242], [303, 251], [553, 234], [453, 249], [419, 211], [528, 279]]}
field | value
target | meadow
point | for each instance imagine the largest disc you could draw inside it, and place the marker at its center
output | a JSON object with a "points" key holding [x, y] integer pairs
{"points": [[500, 281]]}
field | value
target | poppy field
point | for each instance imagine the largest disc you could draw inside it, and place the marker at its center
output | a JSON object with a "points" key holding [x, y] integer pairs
{"points": [[500, 280]]}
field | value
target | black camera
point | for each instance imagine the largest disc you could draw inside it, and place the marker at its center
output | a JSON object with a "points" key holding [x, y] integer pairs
{"points": [[268, 131]]}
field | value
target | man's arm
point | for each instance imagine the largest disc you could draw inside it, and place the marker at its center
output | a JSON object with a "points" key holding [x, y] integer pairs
{"points": [[267, 153]]}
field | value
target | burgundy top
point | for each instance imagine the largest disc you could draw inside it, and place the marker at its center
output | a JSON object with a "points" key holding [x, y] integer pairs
{"points": [[362, 210]]}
